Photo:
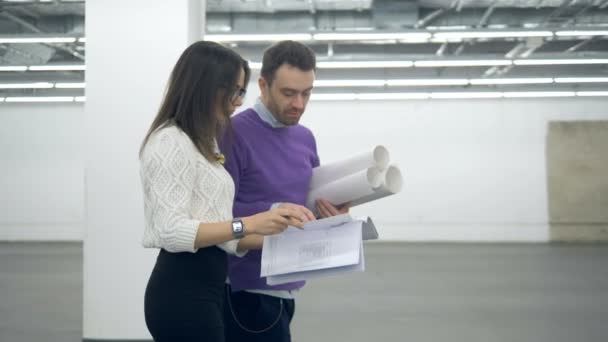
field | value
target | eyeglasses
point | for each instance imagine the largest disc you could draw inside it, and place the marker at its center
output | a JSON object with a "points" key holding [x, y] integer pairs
{"points": [[239, 93]]}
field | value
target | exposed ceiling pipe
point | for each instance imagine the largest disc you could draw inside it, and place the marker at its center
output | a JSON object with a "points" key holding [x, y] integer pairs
{"points": [[486, 16], [459, 4], [441, 49], [579, 13], [580, 44], [430, 17]]}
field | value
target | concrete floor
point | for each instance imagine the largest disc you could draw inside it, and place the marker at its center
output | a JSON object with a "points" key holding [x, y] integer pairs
{"points": [[410, 292]]}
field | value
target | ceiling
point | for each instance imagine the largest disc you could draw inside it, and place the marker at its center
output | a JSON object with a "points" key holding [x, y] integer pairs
{"points": [[432, 46], [32, 67]]}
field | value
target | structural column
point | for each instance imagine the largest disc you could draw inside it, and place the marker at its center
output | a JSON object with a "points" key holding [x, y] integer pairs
{"points": [[131, 48]]}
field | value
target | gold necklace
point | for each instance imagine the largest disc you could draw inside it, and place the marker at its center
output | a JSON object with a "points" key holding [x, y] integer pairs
{"points": [[220, 157]]}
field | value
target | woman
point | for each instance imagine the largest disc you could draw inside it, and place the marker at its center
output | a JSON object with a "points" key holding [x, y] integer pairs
{"points": [[188, 197]]}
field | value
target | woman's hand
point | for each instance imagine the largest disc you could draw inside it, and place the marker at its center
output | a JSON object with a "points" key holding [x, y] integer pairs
{"points": [[272, 221], [305, 214]]}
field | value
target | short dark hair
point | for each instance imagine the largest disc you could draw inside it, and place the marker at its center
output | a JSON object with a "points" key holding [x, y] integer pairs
{"points": [[190, 100], [287, 52]]}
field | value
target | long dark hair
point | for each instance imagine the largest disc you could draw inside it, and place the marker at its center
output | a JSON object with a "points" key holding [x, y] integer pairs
{"points": [[202, 70]]}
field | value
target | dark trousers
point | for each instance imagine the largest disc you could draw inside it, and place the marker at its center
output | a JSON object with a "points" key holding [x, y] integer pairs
{"points": [[253, 317], [184, 297]]}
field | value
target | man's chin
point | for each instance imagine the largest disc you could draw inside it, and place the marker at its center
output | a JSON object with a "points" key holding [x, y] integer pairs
{"points": [[291, 120]]}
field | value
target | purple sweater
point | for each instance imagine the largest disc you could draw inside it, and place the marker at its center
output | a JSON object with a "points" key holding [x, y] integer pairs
{"points": [[268, 165]]}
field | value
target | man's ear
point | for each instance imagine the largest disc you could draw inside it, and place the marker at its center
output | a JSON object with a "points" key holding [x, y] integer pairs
{"points": [[263, 86]]}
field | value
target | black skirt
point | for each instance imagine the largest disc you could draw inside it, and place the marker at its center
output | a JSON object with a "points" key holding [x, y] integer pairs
{"points": [[184, 296]]}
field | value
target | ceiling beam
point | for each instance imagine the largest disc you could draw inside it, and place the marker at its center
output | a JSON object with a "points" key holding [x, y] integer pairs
{"points": [[35, 29]]}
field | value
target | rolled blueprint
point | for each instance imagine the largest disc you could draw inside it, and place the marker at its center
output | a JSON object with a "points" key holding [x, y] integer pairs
{"points": [[348, 188], [378, 158], [392, 183], [358, 188]]}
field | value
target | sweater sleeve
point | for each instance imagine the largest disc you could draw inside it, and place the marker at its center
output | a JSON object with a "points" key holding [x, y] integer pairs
{"points": [[168, 173], [236, 163], [231, 246]]}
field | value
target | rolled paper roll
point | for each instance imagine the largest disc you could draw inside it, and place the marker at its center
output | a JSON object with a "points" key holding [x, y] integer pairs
{"points": [[392, 181], [359, 188], [378, 158], [349, 188]]}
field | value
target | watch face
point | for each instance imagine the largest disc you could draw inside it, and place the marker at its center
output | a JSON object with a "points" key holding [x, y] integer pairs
{"points": [[237, 227]]}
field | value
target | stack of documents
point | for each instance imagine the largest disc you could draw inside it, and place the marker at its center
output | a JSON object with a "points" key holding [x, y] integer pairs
{"points": [[324, 247], [356, 180]]}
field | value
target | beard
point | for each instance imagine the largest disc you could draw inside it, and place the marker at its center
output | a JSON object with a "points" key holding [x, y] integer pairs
{"points": [[283, 115]]}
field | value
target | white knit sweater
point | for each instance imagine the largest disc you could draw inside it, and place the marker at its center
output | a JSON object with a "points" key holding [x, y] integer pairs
{"points": [[181, 190]]}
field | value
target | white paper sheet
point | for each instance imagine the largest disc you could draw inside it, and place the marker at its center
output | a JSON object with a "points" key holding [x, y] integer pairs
{"points": [[307, 275], [323, 248], [305, 250]]}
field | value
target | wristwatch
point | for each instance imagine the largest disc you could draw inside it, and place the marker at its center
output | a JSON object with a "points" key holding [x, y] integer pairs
{"points": [[238, 228]]}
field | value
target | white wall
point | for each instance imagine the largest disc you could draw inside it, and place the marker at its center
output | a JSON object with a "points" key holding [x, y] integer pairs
{"points": [[42, 173], [474, 170]]}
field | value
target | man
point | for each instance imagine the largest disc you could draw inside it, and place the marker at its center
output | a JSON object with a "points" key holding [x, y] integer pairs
{"points": [[270, 156]]}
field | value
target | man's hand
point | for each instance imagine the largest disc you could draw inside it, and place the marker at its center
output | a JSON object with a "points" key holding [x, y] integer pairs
{"points": [[326, 209], [304, 213]]}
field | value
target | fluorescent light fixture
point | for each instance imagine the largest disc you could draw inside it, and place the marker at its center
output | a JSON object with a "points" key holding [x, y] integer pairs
{"points": [[257, 37], [413, 36], [581, 80], [369, 96], [393, 96], [427, 82], [13, 68], [40, 99], [512, 94], [462, 63], [592, 93], [449, 63], [326, 97], [466, 95], [586, 33], [82, 40], [80, 99], [560, 61], [350, 83], [452, 95], [529, 80], [366, 64], [255, 65], [491, 34], [447, 27], [34, 40], [50, 67], [447, 40], [34, 85], [497, 26], [79, 85]]}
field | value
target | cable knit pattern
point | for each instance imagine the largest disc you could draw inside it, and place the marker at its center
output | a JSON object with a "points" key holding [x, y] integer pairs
{"points": [[181, 190]]}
